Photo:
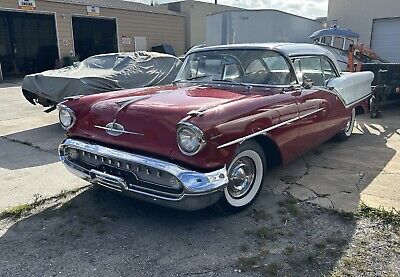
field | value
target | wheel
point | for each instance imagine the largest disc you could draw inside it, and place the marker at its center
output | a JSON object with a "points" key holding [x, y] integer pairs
{"points": [[348, 130], [246, 174]]}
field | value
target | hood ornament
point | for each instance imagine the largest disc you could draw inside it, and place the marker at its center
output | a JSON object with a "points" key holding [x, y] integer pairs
{"points": [[115, 129]]}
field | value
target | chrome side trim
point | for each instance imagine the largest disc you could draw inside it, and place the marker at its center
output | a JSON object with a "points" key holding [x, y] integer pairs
{"points": [[119, 131], [360, 100], [76, 97], [242, 139]]}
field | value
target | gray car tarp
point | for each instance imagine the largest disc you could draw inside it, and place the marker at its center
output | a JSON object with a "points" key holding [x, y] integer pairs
{"points": [[102, 73]]}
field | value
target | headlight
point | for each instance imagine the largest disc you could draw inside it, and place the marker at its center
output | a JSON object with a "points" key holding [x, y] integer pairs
{"points": [[66, 116], [190, 139]]}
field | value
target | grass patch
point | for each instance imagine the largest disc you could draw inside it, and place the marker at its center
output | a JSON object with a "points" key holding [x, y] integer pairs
{"points": [[271, 269], [23, 209], [290, 205], [309, 259], [288, 250], [260, 215], [248, 263], [16, 211], [266, 233], [244, 247], [320, 245], [389, 217]]}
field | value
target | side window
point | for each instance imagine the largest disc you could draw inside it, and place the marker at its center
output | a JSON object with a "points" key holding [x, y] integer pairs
{"points": [[231, 71], [327, 69], [338, 42], [310, 67], [327, 40], [255, 66]]}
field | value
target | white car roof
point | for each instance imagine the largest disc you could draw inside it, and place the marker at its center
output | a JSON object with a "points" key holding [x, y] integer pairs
{"points": [[290, 49]]}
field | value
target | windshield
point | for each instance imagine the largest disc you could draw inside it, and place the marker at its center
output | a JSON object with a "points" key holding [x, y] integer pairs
{"points": [[249, 66]]}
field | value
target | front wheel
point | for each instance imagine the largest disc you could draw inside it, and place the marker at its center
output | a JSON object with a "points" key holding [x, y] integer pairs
{"points": [[245, 174], [348, 130]]}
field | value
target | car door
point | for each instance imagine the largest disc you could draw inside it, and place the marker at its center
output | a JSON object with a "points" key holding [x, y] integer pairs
{"points": [[317, 104]]}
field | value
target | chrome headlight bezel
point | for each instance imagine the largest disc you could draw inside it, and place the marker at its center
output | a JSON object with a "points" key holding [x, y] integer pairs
{"points": [[62, 108], [196, 131]]}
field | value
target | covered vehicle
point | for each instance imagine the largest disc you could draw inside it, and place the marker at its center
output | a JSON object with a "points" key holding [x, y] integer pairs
{"points": [[101, 73], [209, 138]]}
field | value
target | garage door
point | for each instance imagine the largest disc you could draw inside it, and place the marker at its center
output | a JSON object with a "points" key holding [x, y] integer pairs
{"points": [[28, 43], [94, 36], [386, 38]]}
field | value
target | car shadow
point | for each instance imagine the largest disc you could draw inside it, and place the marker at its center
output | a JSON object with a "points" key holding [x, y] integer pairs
{"points": [[30, 148], [104, 234], [342, 175]]}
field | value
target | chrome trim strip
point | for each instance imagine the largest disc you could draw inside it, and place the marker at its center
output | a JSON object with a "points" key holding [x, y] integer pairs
{"points": [[194, 183], [360, 100], [120, 131], [240, 140]]}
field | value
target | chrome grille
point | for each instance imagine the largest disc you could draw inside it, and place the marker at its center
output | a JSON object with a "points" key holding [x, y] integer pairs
{"points": [[136, 176]]}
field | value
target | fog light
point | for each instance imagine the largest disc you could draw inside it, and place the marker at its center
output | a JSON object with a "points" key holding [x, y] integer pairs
{"points": [[174, 183], [72, 153]]}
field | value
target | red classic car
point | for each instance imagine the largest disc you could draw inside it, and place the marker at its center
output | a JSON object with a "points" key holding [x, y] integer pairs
{"points": [[208, 139]]}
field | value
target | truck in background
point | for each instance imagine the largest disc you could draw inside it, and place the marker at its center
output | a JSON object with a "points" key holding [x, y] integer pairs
{"points": [[258, 26]]}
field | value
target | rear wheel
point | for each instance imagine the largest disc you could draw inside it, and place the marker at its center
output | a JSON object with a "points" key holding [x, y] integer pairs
{"points": [[246, 174], [348, 130]]}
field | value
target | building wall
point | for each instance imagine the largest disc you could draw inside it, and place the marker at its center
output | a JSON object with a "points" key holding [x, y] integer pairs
{"points": [[259, 26], [196, 18], [157, 28], [358, 15]]}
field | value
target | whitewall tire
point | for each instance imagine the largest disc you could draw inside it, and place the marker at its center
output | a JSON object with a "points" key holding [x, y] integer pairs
{"points": [[246, 174], [348, 130]]}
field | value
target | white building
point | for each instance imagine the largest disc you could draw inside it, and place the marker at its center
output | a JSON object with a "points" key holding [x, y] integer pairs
{"points": [[259, 26], [377, 22], [195, 18]]}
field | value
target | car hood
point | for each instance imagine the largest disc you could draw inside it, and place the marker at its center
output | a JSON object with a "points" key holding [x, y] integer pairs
{"points": [[149, 117]]}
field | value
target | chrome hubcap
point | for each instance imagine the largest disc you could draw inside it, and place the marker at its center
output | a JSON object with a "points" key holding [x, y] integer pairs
{"points": [[241, 177]]}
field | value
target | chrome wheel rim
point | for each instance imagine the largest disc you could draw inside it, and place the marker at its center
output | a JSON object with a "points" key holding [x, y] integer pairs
{"points": [[241, 177]]}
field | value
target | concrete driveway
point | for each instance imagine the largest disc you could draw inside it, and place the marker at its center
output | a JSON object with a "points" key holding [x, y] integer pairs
{"points": [[29, 165], [336, 175]]}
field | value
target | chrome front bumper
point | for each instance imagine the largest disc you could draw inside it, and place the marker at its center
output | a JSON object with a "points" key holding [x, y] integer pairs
{"points": [[195, 190]]}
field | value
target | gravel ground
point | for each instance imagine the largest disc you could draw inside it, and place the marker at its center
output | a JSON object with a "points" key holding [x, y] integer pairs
{"points": [[99, 233]]}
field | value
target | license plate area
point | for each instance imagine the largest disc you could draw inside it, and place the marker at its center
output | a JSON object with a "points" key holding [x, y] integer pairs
{"points": [[129, 177]]}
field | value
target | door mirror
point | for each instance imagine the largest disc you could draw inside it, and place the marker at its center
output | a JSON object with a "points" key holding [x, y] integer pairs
{"points": [[307, 83]]}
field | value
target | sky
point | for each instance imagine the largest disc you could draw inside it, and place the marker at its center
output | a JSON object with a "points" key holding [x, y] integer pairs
{"points": [[307, 8]]}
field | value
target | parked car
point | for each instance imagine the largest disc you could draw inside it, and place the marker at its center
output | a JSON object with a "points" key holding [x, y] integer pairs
{"points": [[101, 73], [233, 112]]}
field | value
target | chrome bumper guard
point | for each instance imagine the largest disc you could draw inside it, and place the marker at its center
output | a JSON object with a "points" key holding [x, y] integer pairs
{"points": [[198, 190]]}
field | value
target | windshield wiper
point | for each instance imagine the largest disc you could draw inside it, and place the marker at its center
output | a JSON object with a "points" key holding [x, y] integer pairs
{"points": [[231, 82], [198, 77], [192, 78]]}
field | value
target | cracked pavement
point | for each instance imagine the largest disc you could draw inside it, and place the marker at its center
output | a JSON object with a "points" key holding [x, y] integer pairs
{"points": [[366, 168], [335, 175]]}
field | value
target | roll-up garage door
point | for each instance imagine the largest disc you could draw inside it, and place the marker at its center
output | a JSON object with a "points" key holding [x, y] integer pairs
{"points": [[94, 36], [386, 38], [28, 43]]}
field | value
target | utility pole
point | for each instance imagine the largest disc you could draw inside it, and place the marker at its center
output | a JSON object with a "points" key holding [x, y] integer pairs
{"points": [[216, 2]]}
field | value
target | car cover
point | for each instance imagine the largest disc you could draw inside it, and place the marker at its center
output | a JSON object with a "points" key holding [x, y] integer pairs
{"points": [[102, 73]]}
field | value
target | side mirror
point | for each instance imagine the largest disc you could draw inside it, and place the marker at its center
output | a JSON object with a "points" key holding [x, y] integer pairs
{"points": [[307, 84]]}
